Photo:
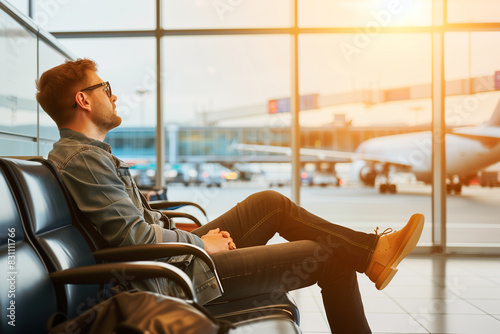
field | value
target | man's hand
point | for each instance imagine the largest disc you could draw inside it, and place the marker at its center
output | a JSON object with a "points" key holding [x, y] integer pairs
{"points": [[218, 241]]}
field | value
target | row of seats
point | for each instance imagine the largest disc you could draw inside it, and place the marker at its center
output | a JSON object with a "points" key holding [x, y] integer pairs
{"points": [[50, 266]]}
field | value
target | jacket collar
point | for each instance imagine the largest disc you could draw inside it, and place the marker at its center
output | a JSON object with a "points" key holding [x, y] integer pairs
{"points": [[80, 137]]}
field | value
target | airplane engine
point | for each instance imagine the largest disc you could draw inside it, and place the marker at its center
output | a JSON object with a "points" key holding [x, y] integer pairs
{"points": [[367, 175]]}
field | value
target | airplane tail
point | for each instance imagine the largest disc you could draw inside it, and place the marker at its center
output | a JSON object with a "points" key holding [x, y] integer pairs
{"points": [[495, 118]]}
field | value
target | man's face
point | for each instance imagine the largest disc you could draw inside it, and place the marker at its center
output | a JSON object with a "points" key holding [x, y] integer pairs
{"points": [[103, 112]]}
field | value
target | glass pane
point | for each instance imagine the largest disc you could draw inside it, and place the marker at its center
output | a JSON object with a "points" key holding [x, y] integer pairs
{"points": [[473, 11], [21, 5], [370, 14], [339, 64], [95, 15], [209, 78], [129, 65], [17, 148], [219, 96], [472, 109], [45, 147], [372, 98], [180, 14], [48, 58], [18, 72]]}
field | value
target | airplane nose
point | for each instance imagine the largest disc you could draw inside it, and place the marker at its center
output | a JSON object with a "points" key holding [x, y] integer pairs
{"points": [[361, 148]]}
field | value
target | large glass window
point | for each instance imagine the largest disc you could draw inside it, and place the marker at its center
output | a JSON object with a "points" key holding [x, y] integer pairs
{"points": [[472, 99], [48, 58], [219, 80], [222, 81], [10, 146], [202, 14], [18, 71], [345, 63], [95, 15], [129, 65], [465, 11], [368, 87], [371, 15], [21, 5]]}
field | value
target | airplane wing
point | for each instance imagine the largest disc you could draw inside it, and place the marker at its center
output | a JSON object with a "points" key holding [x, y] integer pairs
{"points": [[487, 135], [327, 155], [478, 132]]}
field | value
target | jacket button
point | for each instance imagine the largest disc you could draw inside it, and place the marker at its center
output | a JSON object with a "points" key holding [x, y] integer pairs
{"points": [[214, 285]]}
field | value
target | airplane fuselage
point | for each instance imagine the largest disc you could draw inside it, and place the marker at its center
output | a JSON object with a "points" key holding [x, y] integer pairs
{"points": [[464, 156]]}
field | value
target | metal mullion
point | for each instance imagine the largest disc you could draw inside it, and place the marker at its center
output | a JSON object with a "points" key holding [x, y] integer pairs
{"points": [[357, 30], [472, 26], [295, 109], [438, 133], [222, 32], [38, 108], [160, 128], [15, 14], [105, 34], [170, 32], [215, 32], [276, 31], [19, 137]]}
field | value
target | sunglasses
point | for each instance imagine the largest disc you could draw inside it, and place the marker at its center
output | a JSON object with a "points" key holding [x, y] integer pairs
{"points": [[107, 89]]}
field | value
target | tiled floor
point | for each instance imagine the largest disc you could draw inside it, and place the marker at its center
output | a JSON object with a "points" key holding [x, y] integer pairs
{"points": [[431, 294]]}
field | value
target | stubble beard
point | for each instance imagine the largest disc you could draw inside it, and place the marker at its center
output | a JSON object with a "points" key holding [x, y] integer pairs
{"points": [[107, 123]]}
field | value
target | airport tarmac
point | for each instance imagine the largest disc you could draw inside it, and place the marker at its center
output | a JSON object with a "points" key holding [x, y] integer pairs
{"points": [[473, 217]]}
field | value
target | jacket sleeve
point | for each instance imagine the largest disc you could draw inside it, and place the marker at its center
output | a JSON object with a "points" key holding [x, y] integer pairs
{"points": [[98, 191], [182, 236]]}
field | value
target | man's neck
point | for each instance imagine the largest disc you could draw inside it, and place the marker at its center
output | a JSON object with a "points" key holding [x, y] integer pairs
{"points": [[91, 132]]}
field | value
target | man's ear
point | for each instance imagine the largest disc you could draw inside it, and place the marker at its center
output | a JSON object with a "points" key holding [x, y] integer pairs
{"points": [[82, 100]]}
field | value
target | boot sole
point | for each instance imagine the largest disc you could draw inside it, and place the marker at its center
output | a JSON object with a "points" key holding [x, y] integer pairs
{"points": [[416, 226]]}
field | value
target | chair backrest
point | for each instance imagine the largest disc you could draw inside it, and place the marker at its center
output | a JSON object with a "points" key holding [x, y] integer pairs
{"points": [[93, 237], [28, 297], [49, 224]]}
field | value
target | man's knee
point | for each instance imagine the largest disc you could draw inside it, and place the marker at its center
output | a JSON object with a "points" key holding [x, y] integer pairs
{"points": [[270, 196]]}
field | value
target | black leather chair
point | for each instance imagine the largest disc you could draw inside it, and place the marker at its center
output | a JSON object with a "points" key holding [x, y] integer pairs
{"points": [[49, 226], [24, 280], [30, 297], [57, 238]]}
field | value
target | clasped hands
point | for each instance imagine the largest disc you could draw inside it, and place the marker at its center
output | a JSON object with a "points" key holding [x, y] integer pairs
{"points": [[218, 241]]}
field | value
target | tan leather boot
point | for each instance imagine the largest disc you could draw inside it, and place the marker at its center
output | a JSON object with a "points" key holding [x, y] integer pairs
{"points": [[391, 249]]}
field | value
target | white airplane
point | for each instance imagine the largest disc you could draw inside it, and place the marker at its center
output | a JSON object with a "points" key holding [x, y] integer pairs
{"points": [[468, 150]]}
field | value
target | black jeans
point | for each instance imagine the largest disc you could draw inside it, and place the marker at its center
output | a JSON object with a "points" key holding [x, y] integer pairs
{"points": [[318, 252]]}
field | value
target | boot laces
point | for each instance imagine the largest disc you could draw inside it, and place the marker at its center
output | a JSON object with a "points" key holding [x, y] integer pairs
{"points": [[386, 231]]}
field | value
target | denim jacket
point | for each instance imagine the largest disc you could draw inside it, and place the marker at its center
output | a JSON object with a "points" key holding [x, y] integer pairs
{"points": [[106, 194]]}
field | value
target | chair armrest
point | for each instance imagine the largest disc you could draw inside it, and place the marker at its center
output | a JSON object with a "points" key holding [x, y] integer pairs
{"points": [[176, 214], [153, 252], [104, 273], [159, 205]]}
